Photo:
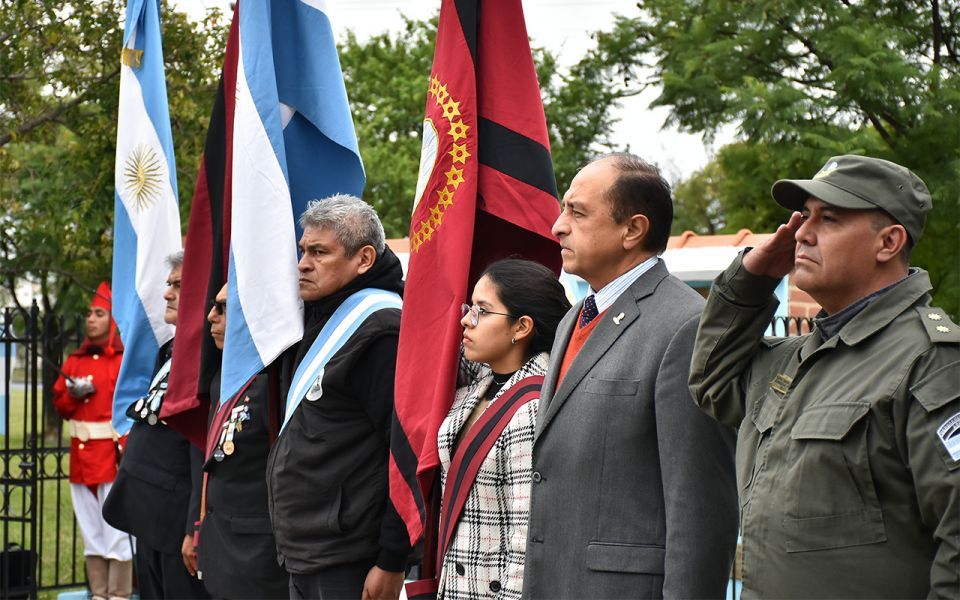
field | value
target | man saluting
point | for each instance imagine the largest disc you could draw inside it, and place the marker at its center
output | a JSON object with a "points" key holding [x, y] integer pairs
{"points": [[848, 457]]}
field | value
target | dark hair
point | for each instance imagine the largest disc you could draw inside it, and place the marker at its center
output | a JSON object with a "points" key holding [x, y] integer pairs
{"points": [[640, 189], [531, 289]]}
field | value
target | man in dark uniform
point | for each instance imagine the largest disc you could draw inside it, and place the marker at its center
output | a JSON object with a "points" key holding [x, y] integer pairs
{"points": [[151, 495], [237, 553], [848, 453], [338, 534]]}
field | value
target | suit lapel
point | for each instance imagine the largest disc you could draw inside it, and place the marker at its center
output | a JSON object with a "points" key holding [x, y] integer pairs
{"points": [[564, 333], [606, 332]]}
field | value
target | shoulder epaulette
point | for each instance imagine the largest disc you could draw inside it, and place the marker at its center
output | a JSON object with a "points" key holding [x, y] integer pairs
{"points": [[938, 325]]}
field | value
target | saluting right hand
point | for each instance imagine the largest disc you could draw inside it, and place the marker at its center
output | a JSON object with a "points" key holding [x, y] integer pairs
{"points": [[774, 258]]}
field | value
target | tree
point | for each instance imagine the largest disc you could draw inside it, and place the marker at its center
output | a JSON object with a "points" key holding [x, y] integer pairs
{"points": [[387, 78], [696, 203], [59, 86], [807, 79]]}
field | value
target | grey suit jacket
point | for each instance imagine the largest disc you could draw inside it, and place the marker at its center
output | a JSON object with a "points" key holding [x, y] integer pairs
{"points": [[634, 488]]}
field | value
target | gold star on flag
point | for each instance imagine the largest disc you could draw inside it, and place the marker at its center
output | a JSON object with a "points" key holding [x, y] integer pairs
{"points": [[434, 85], [459, 153], [451, 109], [458, 130], [442, 94], [454, 177], [446, 197], [427, 231], [436, 217]]}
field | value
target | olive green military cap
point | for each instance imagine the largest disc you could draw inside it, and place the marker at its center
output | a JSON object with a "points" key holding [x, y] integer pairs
{"points": [[862, 183]]}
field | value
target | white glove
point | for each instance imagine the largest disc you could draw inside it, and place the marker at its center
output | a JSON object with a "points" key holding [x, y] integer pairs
{"points": [[79, 387]]}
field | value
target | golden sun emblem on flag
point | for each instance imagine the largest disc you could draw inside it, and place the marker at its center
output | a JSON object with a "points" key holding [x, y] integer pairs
{"points": [[142, 177], [457, 130]]}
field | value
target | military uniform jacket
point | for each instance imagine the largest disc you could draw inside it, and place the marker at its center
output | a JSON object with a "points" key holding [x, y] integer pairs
{"points": [[634, 491], [151, 495], [847, 454], [238, 555], [92, 461]]}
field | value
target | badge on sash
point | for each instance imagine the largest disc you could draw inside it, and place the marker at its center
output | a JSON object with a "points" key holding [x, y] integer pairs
{"points": [[316, 389]]}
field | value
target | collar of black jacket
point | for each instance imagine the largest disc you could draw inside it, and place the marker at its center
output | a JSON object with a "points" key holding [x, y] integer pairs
{"points": [[385, 274]]}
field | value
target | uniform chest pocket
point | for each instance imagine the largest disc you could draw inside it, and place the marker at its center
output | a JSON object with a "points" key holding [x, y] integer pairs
{"points": [[832, 500]]}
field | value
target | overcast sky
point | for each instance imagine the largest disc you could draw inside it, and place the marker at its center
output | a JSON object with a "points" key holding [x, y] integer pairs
{"points": [[561, 26]]}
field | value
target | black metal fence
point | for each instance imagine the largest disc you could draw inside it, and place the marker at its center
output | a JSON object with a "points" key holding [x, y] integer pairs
{"points": [[42, 548], [785, 326]]}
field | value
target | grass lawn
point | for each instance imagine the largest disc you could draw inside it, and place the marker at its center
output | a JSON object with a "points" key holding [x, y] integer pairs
{"points": [[60, 546]]}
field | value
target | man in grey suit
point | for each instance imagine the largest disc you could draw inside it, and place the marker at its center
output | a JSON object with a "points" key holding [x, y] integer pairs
{"points": [[634, 490]]}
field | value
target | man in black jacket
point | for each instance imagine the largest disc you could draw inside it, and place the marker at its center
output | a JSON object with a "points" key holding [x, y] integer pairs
{"points": [[237, 553], [337, 533], [151, 494]]}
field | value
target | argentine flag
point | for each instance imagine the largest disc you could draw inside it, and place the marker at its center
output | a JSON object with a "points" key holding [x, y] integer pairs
{"points": [[146, 217], [293, 141]]}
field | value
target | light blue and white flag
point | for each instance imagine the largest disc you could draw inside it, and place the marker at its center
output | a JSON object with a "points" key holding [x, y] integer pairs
{"points": [[293, 141], [146, 215]]}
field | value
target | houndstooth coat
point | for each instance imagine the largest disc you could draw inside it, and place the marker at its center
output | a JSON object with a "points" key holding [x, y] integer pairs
{"points": [[485, 557]]}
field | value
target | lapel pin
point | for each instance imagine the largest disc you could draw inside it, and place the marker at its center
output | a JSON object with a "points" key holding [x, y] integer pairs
{"points": [[618, 318]]}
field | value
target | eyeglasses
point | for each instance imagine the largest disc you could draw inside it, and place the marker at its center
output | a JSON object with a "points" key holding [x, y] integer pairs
{"points": [[475, 313], [218, 305]]}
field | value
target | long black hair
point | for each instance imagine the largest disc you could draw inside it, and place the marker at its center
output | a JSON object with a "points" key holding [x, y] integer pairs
{"points": [[531, 289]]}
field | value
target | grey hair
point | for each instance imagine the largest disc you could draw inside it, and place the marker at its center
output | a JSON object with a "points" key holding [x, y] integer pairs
{"points": [[354, 222], [175, 260]]}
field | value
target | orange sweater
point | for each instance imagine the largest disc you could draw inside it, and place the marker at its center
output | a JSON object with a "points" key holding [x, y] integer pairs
{"points": [[577, 340]]}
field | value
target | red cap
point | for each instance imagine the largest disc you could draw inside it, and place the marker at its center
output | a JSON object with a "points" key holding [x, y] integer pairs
{"points": [[102, 298]]}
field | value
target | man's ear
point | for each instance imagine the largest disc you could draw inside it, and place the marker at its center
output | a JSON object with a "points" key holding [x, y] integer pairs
{"points": [[892, 239], [638, 226], [368, 256]]}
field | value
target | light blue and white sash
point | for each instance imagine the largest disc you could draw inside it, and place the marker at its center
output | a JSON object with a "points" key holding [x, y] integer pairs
{"points": [[342, 324], [158, 387]]}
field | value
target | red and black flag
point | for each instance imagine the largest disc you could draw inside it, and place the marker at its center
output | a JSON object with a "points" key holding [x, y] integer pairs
{"points": [[486, 191], [205, 258]]}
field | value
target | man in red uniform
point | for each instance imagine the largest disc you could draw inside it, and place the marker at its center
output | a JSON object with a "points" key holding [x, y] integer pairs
{"points": [[84, 394]]}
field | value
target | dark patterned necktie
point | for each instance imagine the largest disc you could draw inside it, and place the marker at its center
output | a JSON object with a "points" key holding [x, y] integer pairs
{"points": [[589, 311]]}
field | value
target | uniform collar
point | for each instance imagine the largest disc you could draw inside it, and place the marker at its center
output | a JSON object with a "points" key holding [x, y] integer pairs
{"points": [[829, 325], [886, 307]]}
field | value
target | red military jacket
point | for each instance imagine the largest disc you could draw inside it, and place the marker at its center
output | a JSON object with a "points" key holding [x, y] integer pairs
{"points": [[91, 461]]}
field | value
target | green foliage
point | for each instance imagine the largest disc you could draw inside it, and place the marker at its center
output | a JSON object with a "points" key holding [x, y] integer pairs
{"points": [[387, 78], [578, 102], [808, 79], [59, 86]]}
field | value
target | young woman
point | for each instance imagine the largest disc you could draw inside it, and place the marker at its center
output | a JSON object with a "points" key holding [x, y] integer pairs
{"points": [[485, 443], [85, 396]]}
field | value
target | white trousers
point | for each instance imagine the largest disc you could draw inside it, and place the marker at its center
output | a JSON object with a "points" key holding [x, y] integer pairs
{"points": [[99, 539]]}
